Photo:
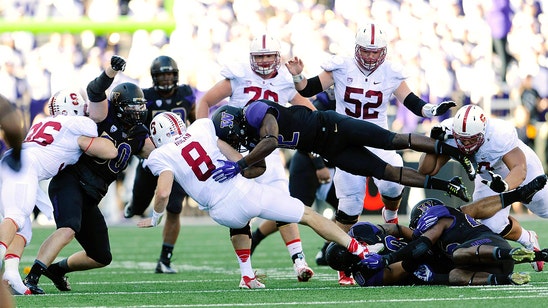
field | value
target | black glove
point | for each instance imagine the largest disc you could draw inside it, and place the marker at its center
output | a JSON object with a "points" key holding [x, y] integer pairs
{"points": [[497, 184], [13, 161], [137, 132], [440, 133], [443, 107], [118, 63]]}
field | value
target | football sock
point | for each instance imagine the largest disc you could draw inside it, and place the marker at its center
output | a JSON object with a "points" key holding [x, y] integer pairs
{"points": [[244, 260], [498, 279], [524, 238], [60, 268], [256, 237], [167, 252], [501, 253], [295, 248], [38, 268], [12, 263], [435, 183]]}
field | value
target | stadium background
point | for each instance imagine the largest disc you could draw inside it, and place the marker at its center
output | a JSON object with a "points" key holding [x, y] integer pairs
{"points": [[445, 46]]}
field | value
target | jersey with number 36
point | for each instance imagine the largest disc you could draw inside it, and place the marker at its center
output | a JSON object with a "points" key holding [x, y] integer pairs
{"points": [[53, 142]]}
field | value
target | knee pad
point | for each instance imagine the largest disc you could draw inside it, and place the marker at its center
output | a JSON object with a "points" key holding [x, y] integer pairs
{"points": [[281, 224], [345, 219], [245, 230]]}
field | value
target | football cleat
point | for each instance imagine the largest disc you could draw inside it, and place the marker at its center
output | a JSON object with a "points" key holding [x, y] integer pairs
{"points": [[320, 256], [31, 281], [389, 221], [251, 283], [519, 278], [15, 284], [304, 273], [528, 190], [128, 210], [468, 163], [162, 268], [345, 280], [538, 266], [456, 188], [521, 254]]}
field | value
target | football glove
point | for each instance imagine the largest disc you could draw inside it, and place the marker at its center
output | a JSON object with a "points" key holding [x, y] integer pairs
{"points": [[374, 261], [497, 184], [425, 223], [392, 243], [118, 63], [440, 133], [228, 170], [430, 110]]}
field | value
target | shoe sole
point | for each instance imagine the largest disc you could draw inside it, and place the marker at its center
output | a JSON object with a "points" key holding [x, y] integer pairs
{"points": [[305, 275], [520, 278], [522, 255]]}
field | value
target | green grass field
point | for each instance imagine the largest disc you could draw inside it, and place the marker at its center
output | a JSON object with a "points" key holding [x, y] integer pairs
{"points": [[209, 276]]}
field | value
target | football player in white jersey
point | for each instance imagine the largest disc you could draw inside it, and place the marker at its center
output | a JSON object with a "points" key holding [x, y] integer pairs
{"points": [[50, 145], [188, 156], [263, 78], [364, 85], [504, 163]]}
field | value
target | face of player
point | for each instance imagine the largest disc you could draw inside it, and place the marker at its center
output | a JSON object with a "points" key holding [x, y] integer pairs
{"points": [[370, 55], [166, 79], [265, 60]]}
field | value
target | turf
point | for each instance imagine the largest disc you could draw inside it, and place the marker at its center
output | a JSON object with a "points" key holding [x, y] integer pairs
{"points": [[209, 276]]}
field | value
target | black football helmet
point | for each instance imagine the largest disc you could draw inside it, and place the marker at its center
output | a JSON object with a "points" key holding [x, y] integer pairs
{"points": [[129, 104], [340, 259], [420, 208], [230, 126], [366, 232], [163, 65]]}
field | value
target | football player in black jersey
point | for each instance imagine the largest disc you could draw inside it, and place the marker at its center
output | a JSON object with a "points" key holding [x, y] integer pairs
{"points": [[76, 191], [165, 95], [264, 126], [479, 255]]}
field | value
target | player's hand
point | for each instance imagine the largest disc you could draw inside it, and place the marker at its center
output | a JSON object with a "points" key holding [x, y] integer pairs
{"points": [[440, 133], [228, 170], [118, 63], [425, 222], [295, 66], [137, 131], [443, 107], [151, 221], [323, 175], [424, 273], [374, 261], [497, 184]]}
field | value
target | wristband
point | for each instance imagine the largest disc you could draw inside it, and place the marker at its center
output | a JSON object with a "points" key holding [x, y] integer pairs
{"points": [[318, 162], [298, 78], [243, 165]]}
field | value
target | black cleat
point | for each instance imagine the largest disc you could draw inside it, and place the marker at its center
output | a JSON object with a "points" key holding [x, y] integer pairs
{"points": [[128, 210], [542, 255], [31, 281], [456, 188], [320, 256], [469, 164], [527, 191], [163, 268], [60, 282]]}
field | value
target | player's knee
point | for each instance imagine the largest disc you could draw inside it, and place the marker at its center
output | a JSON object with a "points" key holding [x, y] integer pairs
{"points": [[103, 258], [346, 219], [281, 224], [245, 230], [17, 220], [458, 277]]}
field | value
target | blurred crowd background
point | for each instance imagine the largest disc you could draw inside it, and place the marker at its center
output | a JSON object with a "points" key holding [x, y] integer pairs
{"points": [[488, 52]]}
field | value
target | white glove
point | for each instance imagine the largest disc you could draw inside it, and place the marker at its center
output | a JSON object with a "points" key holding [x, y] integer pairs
{"points": [[430, 110]]}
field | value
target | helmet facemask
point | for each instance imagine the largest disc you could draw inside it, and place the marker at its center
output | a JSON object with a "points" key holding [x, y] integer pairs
{"points": [[370, 38], [164, 73], [469, 125], [261, 46]]}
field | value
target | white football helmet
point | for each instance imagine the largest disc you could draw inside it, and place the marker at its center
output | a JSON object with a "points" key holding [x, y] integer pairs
{"points": [[370, 38], [469, 128], [67, 102], [264, 45], [166, 127]]}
